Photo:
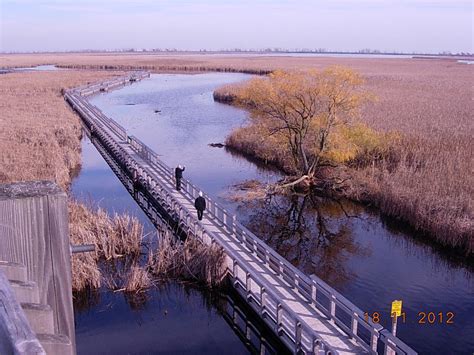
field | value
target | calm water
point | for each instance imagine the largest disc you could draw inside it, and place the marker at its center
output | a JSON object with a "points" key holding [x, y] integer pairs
{"points": [[47, 67], [172, 319], [370, 260]]}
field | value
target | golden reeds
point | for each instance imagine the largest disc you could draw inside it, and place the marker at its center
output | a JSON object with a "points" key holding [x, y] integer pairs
{"points": [[39, 133], [422, 173], [189, 260], [113, 237]]}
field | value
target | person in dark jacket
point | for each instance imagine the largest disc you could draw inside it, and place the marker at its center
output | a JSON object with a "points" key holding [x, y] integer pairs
{"points": [[200, 204], [178, 174]]}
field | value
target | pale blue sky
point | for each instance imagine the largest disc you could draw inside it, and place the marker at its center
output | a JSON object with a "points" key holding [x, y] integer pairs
{"points": [[398, 25]]}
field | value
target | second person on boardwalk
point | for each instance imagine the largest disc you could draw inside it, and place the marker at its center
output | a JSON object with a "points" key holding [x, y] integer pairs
{"points": [[200, 204], [178, 174]]}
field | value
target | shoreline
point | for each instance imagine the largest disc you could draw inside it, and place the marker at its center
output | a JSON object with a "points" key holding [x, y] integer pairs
{"points": [[366, 197], [190, 65]]}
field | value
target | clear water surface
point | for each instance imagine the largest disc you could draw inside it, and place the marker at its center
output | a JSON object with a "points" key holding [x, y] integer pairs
{"points": [[369, 259]]}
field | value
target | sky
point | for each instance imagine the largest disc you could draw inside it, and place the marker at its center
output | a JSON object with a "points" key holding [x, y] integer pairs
{"points": [[426, 26]]}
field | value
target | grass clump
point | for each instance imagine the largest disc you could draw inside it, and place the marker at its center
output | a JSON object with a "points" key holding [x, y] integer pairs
{"points": [[188, 260], [113, 237], [120, 262]]}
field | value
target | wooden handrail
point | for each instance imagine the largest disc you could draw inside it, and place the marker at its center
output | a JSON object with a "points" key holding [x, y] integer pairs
{"points": [[309, 287]]}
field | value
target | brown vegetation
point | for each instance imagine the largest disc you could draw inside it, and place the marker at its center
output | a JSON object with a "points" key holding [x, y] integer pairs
{"points": [[40, 139], [188, 260], [420, 171], [429, 102], [258, 64], [113, 237], [117, 261], [39, 134]]}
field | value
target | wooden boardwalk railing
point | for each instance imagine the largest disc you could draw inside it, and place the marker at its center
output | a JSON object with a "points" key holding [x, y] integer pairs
{"points": [[308, 315]]}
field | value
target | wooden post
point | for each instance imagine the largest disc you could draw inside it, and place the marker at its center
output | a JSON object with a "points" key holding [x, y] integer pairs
{"points": [[297, 336], [394, 325], [333, 306], [390, 346], [263, 299], [16, 335], [248, 283], [234, 220], [314, 291], [374, 340], [34, 232], [279, 316], [235, 270], [355, 323]]}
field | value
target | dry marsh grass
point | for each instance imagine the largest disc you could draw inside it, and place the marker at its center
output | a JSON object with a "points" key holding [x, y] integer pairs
{"points": [[425, 176], [189, 260], [113, 237], [39, 134], [429, 102]]}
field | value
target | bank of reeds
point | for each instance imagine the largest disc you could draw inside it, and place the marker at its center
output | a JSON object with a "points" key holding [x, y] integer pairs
{"points": [[119, 261], [188, 260], [39, 133], [113, 237], [168, 68], [424, 178]]}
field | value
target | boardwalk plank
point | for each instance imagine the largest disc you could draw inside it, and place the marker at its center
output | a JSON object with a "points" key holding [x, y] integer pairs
{"points": [[273, 287]]}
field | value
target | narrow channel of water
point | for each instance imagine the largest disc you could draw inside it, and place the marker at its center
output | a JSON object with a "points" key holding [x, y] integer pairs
{"points": [[370, 260]]}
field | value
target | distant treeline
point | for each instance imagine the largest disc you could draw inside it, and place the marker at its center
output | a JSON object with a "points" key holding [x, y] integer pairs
{"points": [[250, 51], [185, 68]]}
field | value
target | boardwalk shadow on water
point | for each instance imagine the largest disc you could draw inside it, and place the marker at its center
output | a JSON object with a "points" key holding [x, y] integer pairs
{"points": [[155, 319]]}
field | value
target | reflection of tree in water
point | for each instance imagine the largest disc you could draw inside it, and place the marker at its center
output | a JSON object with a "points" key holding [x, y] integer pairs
{"points": [[314, 234]]}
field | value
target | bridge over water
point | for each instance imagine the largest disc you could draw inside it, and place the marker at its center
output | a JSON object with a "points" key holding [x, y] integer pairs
{"points": [[308, 315]]}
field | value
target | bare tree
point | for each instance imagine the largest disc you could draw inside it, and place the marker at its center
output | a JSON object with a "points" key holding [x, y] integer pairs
{"points": [[301, 108]]}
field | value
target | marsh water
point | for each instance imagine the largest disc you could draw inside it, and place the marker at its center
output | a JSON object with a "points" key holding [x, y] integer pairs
{"points": [[369, 259]]}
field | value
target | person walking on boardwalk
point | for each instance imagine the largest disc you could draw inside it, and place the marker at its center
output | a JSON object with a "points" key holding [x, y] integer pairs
{"points": [[178, 174], [200, 204]]}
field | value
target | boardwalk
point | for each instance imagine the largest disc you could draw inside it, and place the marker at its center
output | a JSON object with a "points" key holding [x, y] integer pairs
{"points": [[304, 312]]}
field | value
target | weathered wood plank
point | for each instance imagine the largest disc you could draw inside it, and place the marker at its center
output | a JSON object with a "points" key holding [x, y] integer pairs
{"points": [[34, 232], [16, 335]]}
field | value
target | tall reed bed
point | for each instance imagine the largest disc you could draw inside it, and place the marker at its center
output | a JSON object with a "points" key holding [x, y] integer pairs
{"points": [[39, 134], [187, 260], [425, 176], [121, 261], [113, 237]]}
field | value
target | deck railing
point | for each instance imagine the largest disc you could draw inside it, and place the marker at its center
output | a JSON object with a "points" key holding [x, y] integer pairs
{"points": [[336, 307], [312, 288]]}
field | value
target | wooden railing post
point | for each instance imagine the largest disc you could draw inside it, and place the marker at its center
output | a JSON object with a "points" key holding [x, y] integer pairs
{"points": [[248, 283], [333, 306], [390, 347], [354, 323], [279, 316], [235, 269], [297, 336], [263, 299], [374, 340], [314, 291]]}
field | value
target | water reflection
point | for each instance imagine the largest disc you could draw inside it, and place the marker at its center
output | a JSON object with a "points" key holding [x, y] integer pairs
{"points": [[313, 233], [170, 318], [371, 261]]}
